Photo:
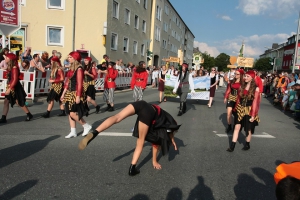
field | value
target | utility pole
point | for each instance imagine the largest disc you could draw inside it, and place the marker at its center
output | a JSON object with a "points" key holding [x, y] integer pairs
{"points": [[296, 46]]}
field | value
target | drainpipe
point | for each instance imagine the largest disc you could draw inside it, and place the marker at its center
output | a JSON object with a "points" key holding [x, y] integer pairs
{"points": [[74, 26]]}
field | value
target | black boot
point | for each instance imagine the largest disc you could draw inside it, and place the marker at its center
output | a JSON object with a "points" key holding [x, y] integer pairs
{"points": [[231, 148], [88, 138], [184, 107], [3, 119], [62, 113], [108, 107], [246, 147], [29, 117], [46, 115], [111, 109], [180, 110], [97, 109], [229, 128], [133, 171]]}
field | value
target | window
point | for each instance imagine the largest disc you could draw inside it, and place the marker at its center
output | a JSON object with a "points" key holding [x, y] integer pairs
{"points": [[125, 44], [157, 33], [135, 45], [167, 10], [127, 16], [55, 35], [116, 9], [144, 26], [114, 41], [143, 49], [56, 4], [164, 44], [166, 27], [145, 4], [136, 22], [158, 13]]}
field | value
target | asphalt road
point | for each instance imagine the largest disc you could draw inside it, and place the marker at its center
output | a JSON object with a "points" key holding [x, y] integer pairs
{"points": [[37, 162]]}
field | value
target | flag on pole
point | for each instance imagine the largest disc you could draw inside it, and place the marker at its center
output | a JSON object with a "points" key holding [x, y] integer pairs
{"points": [[242, 50]]}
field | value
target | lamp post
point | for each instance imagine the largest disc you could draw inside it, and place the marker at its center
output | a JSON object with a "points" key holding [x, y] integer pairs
{"points": [[275, 57], [296, 46]]}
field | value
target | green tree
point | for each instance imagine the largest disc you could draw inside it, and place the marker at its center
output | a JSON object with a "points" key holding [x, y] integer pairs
{"points": [[263, 64], [209, 61], [221, 61]]}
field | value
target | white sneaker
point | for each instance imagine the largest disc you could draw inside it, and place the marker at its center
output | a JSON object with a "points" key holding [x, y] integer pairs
{"points": [[86, 129], [71, 135]]}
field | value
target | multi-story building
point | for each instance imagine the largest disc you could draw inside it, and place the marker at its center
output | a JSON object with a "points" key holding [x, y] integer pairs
{"points": [[121, 29], [169, 34], [284, 55]]}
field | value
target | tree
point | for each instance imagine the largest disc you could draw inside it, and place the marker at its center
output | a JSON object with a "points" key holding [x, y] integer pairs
{"points": [[221, 61], [263, 64], [209, 61]]}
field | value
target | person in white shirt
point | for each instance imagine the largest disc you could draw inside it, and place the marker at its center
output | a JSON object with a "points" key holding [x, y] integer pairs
{"points": [[230, 75], [154, 77]]}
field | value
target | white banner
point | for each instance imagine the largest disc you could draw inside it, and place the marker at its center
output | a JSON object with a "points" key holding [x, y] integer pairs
{"points": [[200, 83]]}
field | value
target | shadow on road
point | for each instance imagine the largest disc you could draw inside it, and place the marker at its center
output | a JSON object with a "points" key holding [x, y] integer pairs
{"points": [[201, 191], [18, 189], [129, 152], [174, 194], [140, 197], [249, 188], [21, 151]]}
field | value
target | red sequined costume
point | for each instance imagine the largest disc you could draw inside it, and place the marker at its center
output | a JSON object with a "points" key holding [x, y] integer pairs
{"points": [[245, 109], [89, 83], [74, 86], [17, 93], [232, 93]]}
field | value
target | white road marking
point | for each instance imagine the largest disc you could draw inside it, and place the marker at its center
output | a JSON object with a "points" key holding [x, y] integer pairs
{"points": [[114, 134], [263, 135]]}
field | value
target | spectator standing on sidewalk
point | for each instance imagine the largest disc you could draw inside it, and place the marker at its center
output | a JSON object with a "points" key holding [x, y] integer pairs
{"points": [[161, 84], [4, 51], [154, 77], [36, 64], [46, 62], [27, 54], [53, 54]]}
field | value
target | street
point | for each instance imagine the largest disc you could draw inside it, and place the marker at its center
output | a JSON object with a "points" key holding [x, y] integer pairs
{"points": [[37, 162]]}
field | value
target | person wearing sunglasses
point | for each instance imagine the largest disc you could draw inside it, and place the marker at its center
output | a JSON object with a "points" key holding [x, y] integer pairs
{"points": [[231, 95], [214, 79]]}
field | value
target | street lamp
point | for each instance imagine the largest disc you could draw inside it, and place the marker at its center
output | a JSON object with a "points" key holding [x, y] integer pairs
{"points": [[275, 58]]}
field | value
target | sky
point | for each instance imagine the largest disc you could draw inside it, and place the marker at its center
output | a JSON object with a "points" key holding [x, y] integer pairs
{"points": [[221, 26]]}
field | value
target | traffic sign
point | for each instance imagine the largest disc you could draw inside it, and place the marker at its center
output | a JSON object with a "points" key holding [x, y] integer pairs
{"points": [[9, 16]]}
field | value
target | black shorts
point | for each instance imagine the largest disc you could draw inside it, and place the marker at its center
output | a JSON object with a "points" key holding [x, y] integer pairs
{"points": [[230, 104], [146, 112]]}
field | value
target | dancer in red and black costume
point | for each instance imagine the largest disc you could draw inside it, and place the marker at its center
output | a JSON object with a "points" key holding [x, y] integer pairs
{"points": [[139, 81], [153, 125], [109, 86], [57, 78], [90, 74], [247, 107], [15, 93], [231, 95], [74, 97]]}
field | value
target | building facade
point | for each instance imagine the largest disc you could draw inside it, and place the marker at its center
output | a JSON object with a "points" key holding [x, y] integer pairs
{"points": [[121, 29]]}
